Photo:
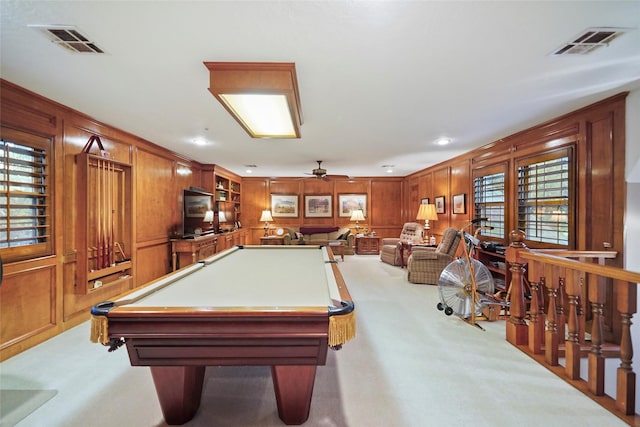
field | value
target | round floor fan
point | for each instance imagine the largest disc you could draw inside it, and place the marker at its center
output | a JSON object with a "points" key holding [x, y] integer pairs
{"points": [[455, 284]]}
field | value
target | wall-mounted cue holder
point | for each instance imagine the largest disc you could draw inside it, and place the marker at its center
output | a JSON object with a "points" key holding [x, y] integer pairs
{"points": [[104, 217]]}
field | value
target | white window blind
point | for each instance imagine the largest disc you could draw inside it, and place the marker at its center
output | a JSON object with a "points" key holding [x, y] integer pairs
{"points": [[489, 202], [24, 195], [544, 203]]}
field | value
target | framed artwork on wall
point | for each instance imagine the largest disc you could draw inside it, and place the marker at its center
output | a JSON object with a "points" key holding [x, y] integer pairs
{"points": [[349, 202], [459, 204], [439, 202], [318, 206], [284, 205], [424, 201]]}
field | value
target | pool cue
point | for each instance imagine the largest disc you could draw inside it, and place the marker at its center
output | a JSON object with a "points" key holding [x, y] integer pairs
{"points": [[112, 255], [105, 247], [106, 212], [97, 217]]}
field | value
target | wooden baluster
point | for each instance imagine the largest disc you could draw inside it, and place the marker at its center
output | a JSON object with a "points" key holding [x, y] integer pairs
{"points": [[536, 319], [582, 320], [562, 319], [516, 328], [626, 378], [572, 352], [597, 297], [551, 340]]}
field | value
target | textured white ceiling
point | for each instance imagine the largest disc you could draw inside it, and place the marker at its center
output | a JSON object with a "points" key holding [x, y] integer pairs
{"points": [[379, 81]]}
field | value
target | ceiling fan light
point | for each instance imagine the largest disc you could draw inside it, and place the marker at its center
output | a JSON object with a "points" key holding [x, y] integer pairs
{"points": [[265, 115]]}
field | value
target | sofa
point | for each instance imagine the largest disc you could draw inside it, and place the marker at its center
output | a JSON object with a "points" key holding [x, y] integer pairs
{"points": [[320, 235]]}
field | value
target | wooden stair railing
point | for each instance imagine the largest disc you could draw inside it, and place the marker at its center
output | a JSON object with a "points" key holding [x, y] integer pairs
{"points": [[541, 332]]}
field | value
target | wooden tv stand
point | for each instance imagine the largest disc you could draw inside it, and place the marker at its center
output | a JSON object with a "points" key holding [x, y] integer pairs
{"points": [[188, 251]]}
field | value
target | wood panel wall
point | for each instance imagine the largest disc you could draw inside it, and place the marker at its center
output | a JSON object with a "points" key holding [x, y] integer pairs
{"points": [[46, 284], [384, 202]]}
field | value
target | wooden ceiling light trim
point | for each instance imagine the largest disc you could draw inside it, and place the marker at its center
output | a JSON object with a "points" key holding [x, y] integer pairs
{"points": [[264, 78]]}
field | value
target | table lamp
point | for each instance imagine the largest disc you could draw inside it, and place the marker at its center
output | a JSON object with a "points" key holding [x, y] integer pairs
{"points": [[222, 218], [427, 213], [266, 217], [357, 215], [208, 217]]}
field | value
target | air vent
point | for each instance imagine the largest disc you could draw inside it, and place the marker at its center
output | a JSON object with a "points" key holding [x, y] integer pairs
{"points": [[69, 37], [589, 40]]}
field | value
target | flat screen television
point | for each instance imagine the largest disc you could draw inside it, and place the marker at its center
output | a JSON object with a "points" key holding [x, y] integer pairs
{"points": [[196, 203]]}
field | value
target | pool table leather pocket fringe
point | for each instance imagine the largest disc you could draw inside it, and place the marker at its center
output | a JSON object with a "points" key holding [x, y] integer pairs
{"points": [[342, 329], [99, 329]]}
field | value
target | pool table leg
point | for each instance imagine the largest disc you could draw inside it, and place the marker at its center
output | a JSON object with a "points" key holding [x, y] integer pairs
{"points": [[294, 387], [179, 390]]}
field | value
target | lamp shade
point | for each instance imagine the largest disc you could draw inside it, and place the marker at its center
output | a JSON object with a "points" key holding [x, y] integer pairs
{"points": [[266, 216], [427, 212], [222, 217], [208, 216], [357, 215]]}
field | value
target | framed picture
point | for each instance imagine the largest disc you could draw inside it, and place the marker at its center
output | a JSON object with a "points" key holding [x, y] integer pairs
{"points": [[197, 206], [318, 206], [424, 201], [440, 204], [284, 205], [349, 202], [459, 204]]}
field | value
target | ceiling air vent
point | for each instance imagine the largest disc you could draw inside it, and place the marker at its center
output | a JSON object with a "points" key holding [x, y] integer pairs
{"points": [[589, 40], [69, 37]]}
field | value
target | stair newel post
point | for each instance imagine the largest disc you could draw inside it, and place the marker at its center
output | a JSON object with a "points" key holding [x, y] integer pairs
{"points": [[516, 328], [626, 378]]}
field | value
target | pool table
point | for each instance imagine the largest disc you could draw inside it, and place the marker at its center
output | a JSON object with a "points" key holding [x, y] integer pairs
{"points": [[278, 306]]}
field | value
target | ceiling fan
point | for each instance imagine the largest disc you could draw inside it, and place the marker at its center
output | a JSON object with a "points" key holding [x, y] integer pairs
{"points": [[321, 173]]}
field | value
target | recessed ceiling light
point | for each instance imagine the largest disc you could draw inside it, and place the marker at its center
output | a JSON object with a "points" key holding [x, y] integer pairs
{"points": [[389, 168], [200, 141], [443, 141]]}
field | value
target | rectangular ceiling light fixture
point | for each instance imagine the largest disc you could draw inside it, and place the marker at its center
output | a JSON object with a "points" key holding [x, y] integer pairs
{"points": [[263, 97]]}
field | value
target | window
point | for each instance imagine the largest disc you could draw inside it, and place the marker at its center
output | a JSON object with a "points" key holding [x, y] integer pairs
{"points": [[489, 200], [544, 198], [25, 223]]}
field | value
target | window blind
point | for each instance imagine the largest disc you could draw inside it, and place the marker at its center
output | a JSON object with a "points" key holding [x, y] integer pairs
{"points": [[24, 196], [544, 200], [489, 201]]}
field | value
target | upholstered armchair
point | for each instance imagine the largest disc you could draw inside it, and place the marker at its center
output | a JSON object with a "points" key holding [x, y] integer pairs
{"points": [[426, 264], [390, 246]]}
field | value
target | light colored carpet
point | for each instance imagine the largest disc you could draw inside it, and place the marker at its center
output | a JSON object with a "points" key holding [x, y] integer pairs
{"points": [[17, 404], [409, 365]]}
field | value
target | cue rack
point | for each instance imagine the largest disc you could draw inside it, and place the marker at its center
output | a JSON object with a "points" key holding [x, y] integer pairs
{"points": [[104, 218]]}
